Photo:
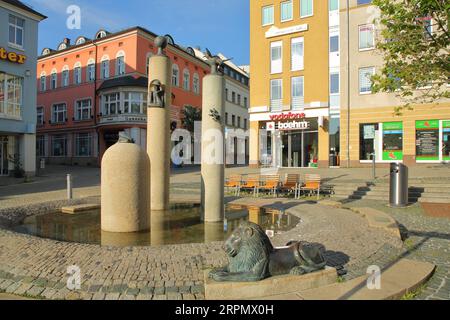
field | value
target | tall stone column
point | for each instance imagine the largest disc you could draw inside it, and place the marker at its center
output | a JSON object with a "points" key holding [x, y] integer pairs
{"points": [[213, 150], [158, 126]]}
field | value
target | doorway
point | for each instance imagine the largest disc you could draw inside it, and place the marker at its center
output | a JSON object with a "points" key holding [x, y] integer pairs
{"points": [[299, 149], [4, 156]]}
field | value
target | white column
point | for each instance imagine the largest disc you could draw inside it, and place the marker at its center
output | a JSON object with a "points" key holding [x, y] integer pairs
{"points": [[213, 150]]}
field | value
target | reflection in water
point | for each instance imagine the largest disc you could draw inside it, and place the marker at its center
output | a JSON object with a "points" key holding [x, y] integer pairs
{"points": [[180, 224]]}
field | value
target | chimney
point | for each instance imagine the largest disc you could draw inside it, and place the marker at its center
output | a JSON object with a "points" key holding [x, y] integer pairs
{"points": [[66, 41]]}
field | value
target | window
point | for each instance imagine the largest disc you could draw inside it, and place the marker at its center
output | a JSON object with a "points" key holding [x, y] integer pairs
{"points": [[186, 79], [65, 78], [10, 95], [16, 30], [226, 94], [306, 8], [238, 122], [226, 118], [233, 120], [368, 134], [286, 11], [233, 97], [276, 59], [40, 116], [334, 5], [276, 94], [54, 80], [43, 83], [298, 101], [134, 102], [59, 146], [175, 75], [366, 37], [245, 124], [334, 44], [297, 54], [77, 75], [59, 113], [120, 65], [83, 145], [105, 69], [245, 102], [83, 110], [111, 103], [239, 99], [267, 15], [91, 72], [360, 2], [196, 84], [40, 146], [365, 81], [334, 83]]}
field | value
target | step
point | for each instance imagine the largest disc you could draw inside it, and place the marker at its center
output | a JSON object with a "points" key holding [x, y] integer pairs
{"points": [[402, 277], [434, 200], [435, 195]]}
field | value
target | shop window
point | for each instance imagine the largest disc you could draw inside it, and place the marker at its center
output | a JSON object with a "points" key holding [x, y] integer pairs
{"points": [[368, 140], [83, 145], [427, 140], [392, 141], [41, 141], [446, 140], [59, 146]]}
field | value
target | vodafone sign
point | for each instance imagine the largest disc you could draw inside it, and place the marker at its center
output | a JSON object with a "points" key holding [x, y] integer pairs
{"points": [[287, 116]]}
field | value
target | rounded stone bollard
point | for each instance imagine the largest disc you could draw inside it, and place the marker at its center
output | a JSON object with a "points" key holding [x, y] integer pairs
{"points": [[125, 186]]}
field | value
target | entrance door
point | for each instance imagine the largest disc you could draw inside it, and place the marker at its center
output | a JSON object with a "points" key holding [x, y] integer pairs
{"points": [[299, 149]]}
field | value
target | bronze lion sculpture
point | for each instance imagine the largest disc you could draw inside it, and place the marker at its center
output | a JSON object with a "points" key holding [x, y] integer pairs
{"points": [[253, 258]]}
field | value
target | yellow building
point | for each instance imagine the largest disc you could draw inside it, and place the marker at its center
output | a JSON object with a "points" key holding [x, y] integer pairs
{"points": [[311, 103], [289, 62]]}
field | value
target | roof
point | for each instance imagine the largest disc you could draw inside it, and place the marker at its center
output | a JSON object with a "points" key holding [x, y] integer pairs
{"points": [[23, 6], [229, 63], [127, 81]]}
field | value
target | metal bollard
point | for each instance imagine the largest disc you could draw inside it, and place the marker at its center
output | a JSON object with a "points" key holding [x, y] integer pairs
{"points": [[374, 176], [69, 187]]}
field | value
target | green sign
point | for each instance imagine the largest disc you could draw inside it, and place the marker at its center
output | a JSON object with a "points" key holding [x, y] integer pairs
{"points": [[392, 126], [446, 124], [393, 155], [427, 124]]}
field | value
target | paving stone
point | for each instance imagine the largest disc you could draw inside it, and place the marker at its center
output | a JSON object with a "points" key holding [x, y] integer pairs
{"points": [[112, 296], [35, 291]]}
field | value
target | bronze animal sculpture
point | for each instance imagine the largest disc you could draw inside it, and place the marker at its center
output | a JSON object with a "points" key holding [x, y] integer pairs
{"points": [[253, 258]]}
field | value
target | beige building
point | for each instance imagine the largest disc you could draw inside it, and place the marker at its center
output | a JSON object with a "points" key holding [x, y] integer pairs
{"points": [[417, 136]]}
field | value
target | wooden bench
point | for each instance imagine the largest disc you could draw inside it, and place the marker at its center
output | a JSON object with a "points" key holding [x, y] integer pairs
{"points": [[312, 184]]}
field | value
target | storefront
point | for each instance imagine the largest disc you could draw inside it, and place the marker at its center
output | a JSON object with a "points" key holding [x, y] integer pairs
{"points": [[432, 141], [290, 140]]}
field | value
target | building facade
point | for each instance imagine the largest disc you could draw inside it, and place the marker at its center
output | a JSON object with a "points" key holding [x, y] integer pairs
{"points": [[289, 89], [91, 90], [311, 98], [237, 99], [18, 55], [417, 136]]}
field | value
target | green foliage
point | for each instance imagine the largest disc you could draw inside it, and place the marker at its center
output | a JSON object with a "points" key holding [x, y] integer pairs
{"points": [[413, 56], [190, 116]]}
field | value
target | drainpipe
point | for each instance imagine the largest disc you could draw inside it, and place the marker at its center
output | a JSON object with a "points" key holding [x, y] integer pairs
{"points": [[95, 102], [348, 83]]}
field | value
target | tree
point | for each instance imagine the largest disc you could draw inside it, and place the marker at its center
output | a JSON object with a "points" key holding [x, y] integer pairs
{"points": [[415, 44], [190, 116]]}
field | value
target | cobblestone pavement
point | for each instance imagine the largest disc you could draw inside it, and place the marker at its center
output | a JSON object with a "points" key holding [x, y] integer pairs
{"points": [[37, 267], [428, 239]]}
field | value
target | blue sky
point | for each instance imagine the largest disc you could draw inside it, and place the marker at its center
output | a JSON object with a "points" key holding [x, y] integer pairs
{"points": [[220, 25]]}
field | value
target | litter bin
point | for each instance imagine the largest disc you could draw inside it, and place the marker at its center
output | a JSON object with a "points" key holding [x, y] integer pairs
{"points": [[398, 186]]}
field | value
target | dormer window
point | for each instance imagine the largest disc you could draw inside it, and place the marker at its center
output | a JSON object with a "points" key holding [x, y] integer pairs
{"points": [[100, 34], [46, 51], [62, 46], [80, 40]]}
